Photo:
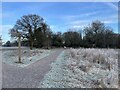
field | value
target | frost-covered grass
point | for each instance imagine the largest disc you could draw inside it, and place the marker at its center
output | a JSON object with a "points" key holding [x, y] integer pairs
{"points": [[27, 56], [83, 68]]}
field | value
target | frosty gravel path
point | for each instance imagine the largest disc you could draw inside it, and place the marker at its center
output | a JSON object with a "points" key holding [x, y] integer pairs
{"points": [[30, 76]]}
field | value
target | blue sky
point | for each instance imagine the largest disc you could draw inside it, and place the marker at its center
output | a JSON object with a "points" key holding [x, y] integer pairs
{"points": [[60, 15]]}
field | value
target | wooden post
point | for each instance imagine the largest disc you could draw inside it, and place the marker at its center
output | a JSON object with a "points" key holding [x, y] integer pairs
{"points": [[47, 41], [18, 34], [19, 48]]}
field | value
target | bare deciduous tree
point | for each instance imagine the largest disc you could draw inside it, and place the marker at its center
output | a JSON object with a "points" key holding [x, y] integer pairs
{"points": [[27, 25]]}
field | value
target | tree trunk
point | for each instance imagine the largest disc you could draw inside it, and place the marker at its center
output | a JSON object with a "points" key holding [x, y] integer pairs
{"points": [[19, 49], [31, 42]]}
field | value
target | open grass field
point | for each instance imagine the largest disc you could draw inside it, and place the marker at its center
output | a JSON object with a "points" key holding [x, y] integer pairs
{"points": [[83, 68], [61, 68]]}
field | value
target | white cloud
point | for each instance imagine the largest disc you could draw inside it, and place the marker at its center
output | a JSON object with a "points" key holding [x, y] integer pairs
{"points": [[4, 30], [110, 19], [113, 6], [107, 21], [80, 24], [8, 14], [71, 17], [5, 27], [59, 28]]}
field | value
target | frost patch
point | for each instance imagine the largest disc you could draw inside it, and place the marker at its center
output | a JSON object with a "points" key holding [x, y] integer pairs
{"points": [[28, 56], [83, 68]]}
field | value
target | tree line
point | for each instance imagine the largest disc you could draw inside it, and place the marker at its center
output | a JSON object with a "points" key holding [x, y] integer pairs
{"points": [[35, 32]]}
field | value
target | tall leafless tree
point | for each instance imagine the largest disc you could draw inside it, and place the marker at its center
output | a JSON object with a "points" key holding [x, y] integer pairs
{"points": [[27, 25]]}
